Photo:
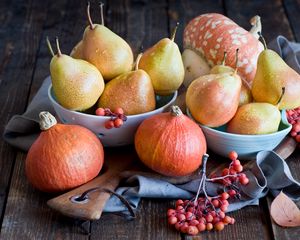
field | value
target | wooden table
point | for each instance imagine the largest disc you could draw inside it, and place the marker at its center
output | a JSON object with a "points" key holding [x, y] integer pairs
{"points": [[24, 63]]}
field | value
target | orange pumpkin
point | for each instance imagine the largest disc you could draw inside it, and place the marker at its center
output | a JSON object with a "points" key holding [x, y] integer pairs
{"points": [[210, 35], [63, 156], [170, 143]]}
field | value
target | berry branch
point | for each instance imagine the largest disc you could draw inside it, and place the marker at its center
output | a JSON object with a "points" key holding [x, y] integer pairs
{"points": [[293, 117], [117, 118], [205, 212]]}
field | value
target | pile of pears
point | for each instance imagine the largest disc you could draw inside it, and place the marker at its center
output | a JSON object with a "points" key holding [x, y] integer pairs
{"points": [[222, 98], [100, 72]]}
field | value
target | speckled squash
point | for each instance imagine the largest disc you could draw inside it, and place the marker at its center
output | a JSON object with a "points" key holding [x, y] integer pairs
{"points": [[209, 35]]}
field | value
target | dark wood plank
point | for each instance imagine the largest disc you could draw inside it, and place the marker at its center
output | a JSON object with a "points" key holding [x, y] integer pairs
{"points": [[292, 8], [20, 33], [183, 11], [27, 216], [281, 232], [274, 20], [151, 223]]}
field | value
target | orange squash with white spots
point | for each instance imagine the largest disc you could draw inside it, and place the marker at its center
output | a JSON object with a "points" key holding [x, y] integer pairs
{"points": [[209, 35]]}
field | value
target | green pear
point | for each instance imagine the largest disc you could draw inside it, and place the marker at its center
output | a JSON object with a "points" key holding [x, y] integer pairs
{"points": [[271, 76], [76, 83], [213, 99], [255, 118], [103, 48], [245, 95], [164, 65], [132, 91]]}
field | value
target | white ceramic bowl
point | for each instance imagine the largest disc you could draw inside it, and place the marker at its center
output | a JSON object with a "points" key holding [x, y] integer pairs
{"points": [[115, 136], [247, 146]]}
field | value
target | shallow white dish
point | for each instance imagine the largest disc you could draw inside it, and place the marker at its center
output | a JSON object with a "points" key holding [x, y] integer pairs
{"points": [[115, 136], [247, 146]]}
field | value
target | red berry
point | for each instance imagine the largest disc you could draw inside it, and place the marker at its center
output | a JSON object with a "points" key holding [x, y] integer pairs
{"points": [[221, 214], [244, 180], [232, 192], [194, 222], [238, 168], [213, 213], [192, 230], [232, 221], [216, 203], [225, 203], [189, 215], [181, 217], [201, 227], [180, 209], [297, 138], [216, 219], [224, 196], [190, 209], [236, 162], [118, 122], [209, 226], [184, 227], [293, 133], [233, 155], [232, 171], [296, 127], [100, 112], [219, 226], [171, 212], [172, 220], [119, 111], [209, 218], [227, 219], [178, 225], [109, 124], [179, 202], [223, 208]]}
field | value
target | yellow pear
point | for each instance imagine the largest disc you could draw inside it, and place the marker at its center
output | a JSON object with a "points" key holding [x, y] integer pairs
{"points": [[132, 91], [77, 84], [164, 65], [245, 95], [103, 48], [271, 76]]}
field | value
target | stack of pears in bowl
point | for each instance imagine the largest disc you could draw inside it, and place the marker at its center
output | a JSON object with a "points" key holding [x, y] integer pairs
{"points": [[228, 122], [100, 87]]}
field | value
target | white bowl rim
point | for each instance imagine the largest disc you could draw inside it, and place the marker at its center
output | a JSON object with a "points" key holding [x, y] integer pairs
{"points": [[248, 136], [108, 117]]}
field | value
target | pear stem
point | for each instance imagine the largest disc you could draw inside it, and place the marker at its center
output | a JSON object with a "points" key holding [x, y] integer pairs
{"points": [[101, 4], [137, 61], [236, 60], [281, 96], [263, 40], [58, 48], [49, 46], [89, 16], [224, 58], [174, 32]]}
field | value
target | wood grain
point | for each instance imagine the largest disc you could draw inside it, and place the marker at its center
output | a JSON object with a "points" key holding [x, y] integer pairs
{"points": [[292, 9], [274, 20], [20, 32]]}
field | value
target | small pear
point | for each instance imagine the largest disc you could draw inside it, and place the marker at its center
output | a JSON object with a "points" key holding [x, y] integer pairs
{"points": [[256, 118], [164, 65], [132, 91], [213, 99], [103, 48], [245, 95], [271, 75], [76, 83]]}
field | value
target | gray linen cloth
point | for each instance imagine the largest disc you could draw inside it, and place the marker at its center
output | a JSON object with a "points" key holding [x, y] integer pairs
{"points": [[268, 173]]}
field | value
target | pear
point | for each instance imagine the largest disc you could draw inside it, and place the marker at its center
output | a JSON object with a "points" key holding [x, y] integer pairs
{"points": [[213, 99], [103, 48], [245, 95], [164, 65], [271, 75], [76, 83], [132, 91], [256, 118]]}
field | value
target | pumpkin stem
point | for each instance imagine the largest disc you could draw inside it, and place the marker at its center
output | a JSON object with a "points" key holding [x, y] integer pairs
{"points": [[256, 26], [47, 120], [175, 111]]}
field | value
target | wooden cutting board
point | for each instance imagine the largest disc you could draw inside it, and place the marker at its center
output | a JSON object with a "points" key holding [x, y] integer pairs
{"points": [[117, 160]]}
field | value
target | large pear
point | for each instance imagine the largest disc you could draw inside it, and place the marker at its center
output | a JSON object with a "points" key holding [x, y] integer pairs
{"points": [[110, 53], [77, 84], [164, 65], [213, 99], [132, 91], [271, 76], [255, 118]]}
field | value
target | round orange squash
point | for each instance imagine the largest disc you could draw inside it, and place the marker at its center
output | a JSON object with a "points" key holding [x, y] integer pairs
{"points": [[170, 143], [63, 156]]}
